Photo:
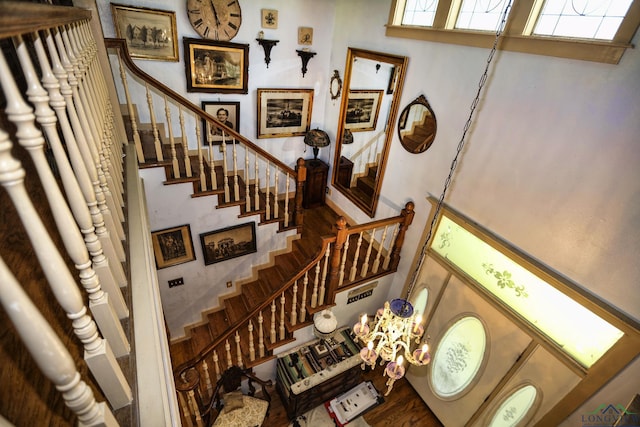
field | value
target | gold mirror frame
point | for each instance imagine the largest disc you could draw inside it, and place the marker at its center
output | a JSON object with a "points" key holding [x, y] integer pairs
{"points": [[375, 82], [417, 126]]}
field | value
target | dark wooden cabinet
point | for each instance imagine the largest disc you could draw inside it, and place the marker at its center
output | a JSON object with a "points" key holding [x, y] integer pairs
{"points": [[315, 186], [306, 378], [345, 170]]}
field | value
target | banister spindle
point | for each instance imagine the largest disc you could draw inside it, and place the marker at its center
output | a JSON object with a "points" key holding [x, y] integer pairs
{"points": [[47, 350], [252, 349], [267, 198], [238, 350], [154, 126], [247, 194], [273, 322], [345, 251], [293, 319], [87, 177], [236, 186], [303, 301], [203, 177], [365, 263], [325, 269], [286, 202], [225, 169], [256, 184], [316, 281], [260, 335], [354, 265], [275, 191], [387, 258], [185, 144], [376, 262], [282, 302], [172, 142]]}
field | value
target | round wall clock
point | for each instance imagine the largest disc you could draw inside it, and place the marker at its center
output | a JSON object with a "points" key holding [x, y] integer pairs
{"points": [[215, 19]]}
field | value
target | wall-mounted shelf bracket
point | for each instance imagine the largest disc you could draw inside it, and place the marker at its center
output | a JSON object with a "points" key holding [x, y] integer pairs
{"points": [[305, 55], [267, 45]]}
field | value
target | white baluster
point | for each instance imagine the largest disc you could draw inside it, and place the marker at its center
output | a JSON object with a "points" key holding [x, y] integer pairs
{"points": [[74, 137], [203, 177], [316, 281], [227, 348], [376, 262], [303, 301], [273, 322], [252, 349], [275, 192], [354, 265], [286, 203], [47, 350], [236, 187], [225, 170], [99, 356], [256, 184], [260, 335], [365, 263], [238, 350], [267, 206], [194, 409], [325, 269], [387, 258], [207, 378], [216, 364], [212, 166], [345, 250], [294, 301], [154, 126], [247, 195], [74, 244], [282, 301], [186, 411], [185, 144], [172, 142]]}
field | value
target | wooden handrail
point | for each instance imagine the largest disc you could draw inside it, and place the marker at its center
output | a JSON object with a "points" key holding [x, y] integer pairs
{"points": [[22, 18], [121, 46]]}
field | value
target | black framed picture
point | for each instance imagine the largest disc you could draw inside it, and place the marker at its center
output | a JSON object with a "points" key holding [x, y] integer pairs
{"points": [[172, 246], [228, 112], [217, 67], [227, 243], [284, 112]]}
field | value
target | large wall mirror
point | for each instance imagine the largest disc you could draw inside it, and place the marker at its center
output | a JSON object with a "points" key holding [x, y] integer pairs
{"points": [[371, 94]]}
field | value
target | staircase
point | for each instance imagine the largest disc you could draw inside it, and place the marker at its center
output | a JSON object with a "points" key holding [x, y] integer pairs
{"points": [[329, 256]]}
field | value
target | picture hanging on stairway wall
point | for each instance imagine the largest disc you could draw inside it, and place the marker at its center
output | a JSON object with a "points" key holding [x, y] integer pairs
{"points": [[228, 112], [230, 242], [362, 110], [284, 112], [172, 246], [149, 33], [215, 66]]}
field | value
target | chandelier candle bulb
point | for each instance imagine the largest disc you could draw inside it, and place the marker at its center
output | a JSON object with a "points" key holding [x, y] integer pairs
{"points": [[369, 348]]}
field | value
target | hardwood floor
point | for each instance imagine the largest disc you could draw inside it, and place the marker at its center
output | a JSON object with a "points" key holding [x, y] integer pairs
{"points": [[403, 407]]}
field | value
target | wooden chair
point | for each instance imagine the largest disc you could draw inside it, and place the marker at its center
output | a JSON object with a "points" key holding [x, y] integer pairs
{"points": [[235, 409]]}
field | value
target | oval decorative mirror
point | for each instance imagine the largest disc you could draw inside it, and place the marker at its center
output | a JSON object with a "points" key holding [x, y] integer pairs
{"points": [[372, 87], [335, 86], [417, 126]]}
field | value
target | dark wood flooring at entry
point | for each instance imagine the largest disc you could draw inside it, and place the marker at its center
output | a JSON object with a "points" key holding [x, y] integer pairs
{"points": [[402, 408]]}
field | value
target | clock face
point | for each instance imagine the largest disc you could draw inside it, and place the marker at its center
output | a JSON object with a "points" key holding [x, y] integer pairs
{"points": [[215, 19]]}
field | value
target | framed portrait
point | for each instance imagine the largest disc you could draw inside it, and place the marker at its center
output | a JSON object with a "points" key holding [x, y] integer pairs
{"points": [[363, 107], [284, 112], [227, 243], [149, 33], [215, 66], [172, 246], [227, 112]]}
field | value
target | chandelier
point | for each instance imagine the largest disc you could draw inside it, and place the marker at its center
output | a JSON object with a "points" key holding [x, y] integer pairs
{"points": [[396, 332]]}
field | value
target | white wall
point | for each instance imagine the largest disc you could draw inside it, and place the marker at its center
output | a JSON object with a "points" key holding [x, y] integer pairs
{"points": [[551, 162]]}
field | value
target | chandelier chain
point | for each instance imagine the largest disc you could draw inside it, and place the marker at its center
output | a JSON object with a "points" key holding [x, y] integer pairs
{"points": [[454, 162]]}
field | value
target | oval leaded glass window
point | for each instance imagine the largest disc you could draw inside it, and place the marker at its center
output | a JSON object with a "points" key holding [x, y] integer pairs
{"points": [[458, 357], [515, 407]]}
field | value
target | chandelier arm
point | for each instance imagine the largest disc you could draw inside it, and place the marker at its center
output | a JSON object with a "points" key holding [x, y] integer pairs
{"points": [[454, 162]]}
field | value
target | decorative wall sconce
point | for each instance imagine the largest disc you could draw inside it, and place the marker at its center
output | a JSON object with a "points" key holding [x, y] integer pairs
{"points": [[267, 45], [305, 55]]}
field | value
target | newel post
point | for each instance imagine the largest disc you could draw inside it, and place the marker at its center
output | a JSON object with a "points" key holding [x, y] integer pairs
{"points": [[336, 258], [407, 213], [298, 212]]}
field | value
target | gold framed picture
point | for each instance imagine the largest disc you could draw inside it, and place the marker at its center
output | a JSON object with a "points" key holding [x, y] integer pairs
{"points": [[172, 246], [217, 67], [269, 18], [149, 33], [284, 112], [230, 242], [305, 35], [363, 107]]}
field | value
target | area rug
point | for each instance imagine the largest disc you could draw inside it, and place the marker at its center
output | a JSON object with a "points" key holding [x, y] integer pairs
{"points": [[319, 417]]}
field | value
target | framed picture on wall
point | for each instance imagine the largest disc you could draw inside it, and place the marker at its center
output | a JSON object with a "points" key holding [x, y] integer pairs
{"points": [[363, 107], [215, 66], [284, 112], [172, 246], [149, 33], [227, 243], [227, 112]]}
